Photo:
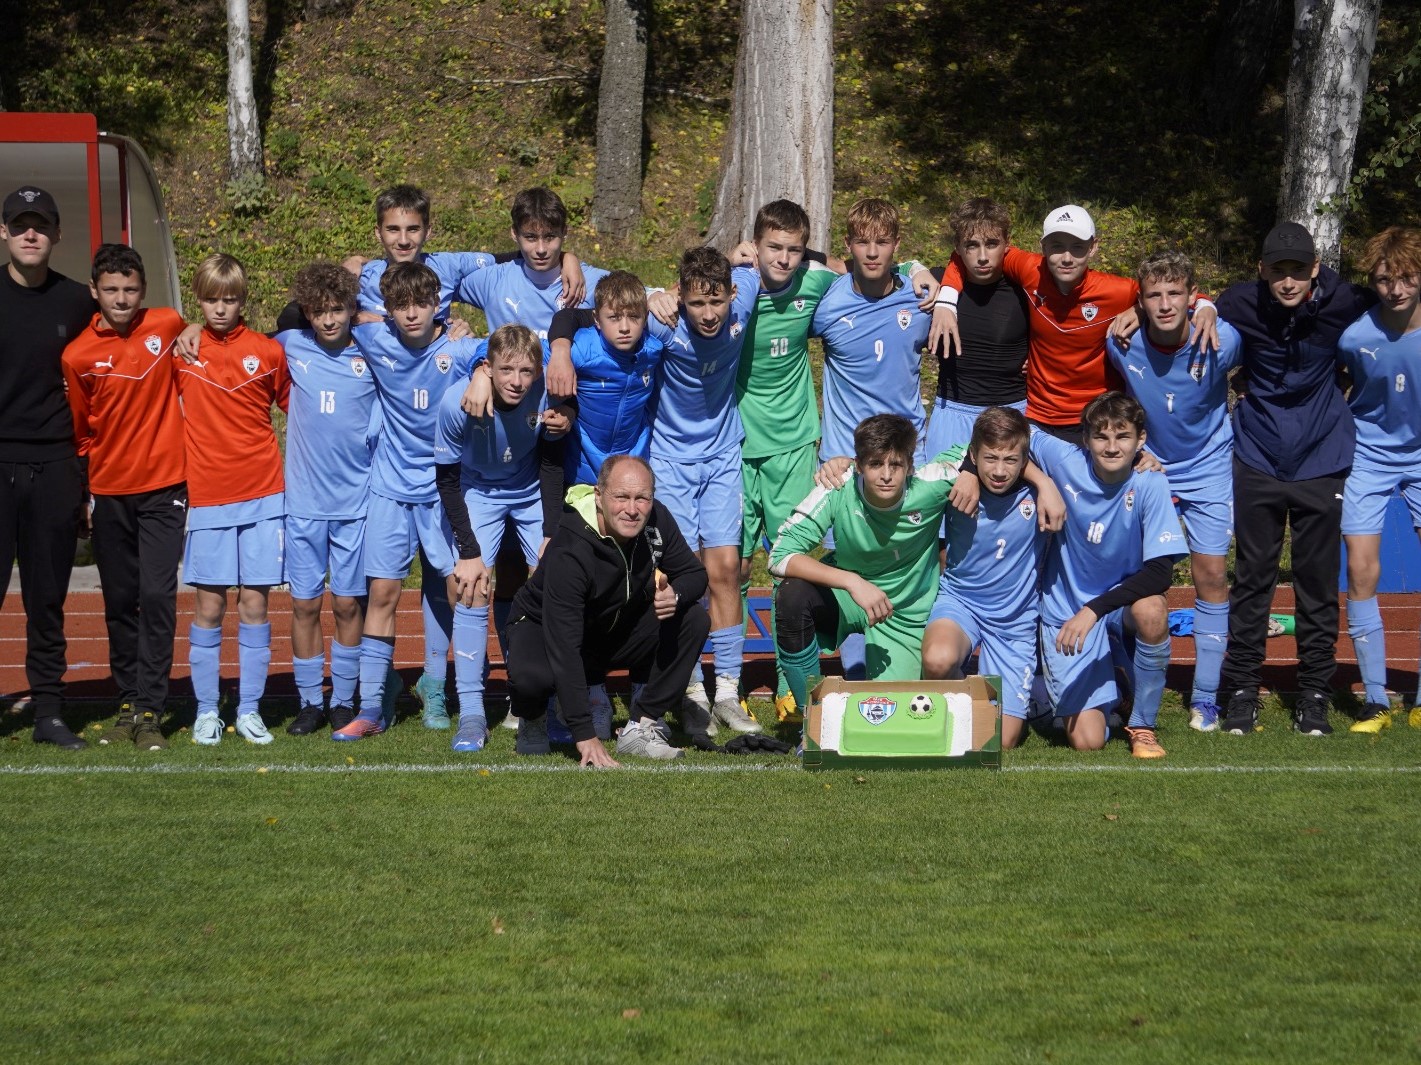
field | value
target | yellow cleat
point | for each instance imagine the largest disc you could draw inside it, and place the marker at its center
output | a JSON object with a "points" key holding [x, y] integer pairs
{"points": [[1372, 725], [1414, 718], [787, 710]]}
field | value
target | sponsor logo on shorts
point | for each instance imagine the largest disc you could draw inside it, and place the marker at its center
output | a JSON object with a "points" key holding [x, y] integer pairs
{"points": [[1089, 311], [443, 362], [905, 318], [1168, 537], [876, 709], [153, 343], [251, 364], [357, 366]]}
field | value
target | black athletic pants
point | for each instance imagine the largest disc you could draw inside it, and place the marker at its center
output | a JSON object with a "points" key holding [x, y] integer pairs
{"points": [[661, 652], [40, 504], [138, 543], [1263, 507]]}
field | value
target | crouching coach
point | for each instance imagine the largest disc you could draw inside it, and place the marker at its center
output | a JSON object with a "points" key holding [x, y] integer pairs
{"points": [[617, 588]]}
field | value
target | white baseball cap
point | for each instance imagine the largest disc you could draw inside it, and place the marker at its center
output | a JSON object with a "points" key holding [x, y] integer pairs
{"points": [[1073, 219]]}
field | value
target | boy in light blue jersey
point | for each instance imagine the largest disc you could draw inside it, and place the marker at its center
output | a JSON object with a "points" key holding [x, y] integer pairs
{"points": [[1382, 352], [1183, 385], [402, 225], [989, 593], [1106, 575], [330, 433], [489, 473], [413, 362], [695, 453], [874, 332], [531, 288]]}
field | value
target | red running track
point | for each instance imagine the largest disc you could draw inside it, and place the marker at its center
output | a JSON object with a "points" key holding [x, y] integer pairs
{"points": [[89, 678]]}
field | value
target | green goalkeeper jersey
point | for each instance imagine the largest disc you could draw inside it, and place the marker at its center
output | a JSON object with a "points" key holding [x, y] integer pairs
{"points": [[774, 385], [896, 549]]}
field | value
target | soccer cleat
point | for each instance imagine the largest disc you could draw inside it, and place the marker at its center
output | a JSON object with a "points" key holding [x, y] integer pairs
{"points": [[1204, 717], [1373, 719], [1310, 714], [696, 709], [1144, 743], [1414, 717], [307, 720], [52, 729], [532, 736], [732, 715], [359, 728], [1241, 718], [471, 735], [340, 716], [147, 736], [253, 729], [207, 730], [787, 710], [601, 711], [430, 693], [648, 738], [121, 731]]}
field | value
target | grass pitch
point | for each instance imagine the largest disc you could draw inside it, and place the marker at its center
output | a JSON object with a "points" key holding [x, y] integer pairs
{"points": [[1251, 899]]}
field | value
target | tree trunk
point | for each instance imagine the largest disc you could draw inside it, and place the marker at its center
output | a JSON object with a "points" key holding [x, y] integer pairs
{"points": [[1333, 42], [616, 199], [781, 139], [243, 130]]}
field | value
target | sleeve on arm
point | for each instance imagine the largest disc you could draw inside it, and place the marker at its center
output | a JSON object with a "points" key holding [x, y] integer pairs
{"points": [[804, 529], [550, 481], [566, 586], [568, 321], [451, 496], [1150, 579]]}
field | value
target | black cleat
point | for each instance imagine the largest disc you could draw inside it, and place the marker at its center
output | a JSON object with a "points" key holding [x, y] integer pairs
{"points": [[51, 729], [1241, 717]]}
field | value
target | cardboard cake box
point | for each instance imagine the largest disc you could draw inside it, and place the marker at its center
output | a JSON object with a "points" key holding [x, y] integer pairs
{"points": [[904, 724]]}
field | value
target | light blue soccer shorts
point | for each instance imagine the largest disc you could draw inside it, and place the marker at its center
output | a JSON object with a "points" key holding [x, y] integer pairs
{"points": [[1086, 680], [395, 531], [252, 555], [487, 516], [1208, 517], [315, 546], [1368, 492], [1005, 649], [706, 498]]}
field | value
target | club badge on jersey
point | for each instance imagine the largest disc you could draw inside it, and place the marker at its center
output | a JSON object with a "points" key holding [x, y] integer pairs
{"points": [[357, 366], [154, 344], [443, 363], [251, 364], [905, 318]]}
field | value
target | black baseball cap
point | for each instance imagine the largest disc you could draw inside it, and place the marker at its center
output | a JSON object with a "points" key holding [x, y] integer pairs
{"points": [[30, 200], [1288, 242]]}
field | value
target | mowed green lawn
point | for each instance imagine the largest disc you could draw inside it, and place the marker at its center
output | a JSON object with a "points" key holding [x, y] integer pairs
{"points": [[1251, 899]]}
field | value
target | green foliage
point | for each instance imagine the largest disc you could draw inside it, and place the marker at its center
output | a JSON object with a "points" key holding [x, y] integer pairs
{"points": [[249, 195], [1389, 146]]}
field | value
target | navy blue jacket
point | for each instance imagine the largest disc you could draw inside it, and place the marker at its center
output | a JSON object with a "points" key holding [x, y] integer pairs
{"points": [[1292, 421]]}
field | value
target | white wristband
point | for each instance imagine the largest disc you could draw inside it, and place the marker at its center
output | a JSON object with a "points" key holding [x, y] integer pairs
{"points": [[946, 297]]}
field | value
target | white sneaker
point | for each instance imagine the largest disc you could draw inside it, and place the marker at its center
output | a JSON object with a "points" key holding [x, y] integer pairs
{"points": [[727, 709], [207, 730], [648, 738], [253, 729]]}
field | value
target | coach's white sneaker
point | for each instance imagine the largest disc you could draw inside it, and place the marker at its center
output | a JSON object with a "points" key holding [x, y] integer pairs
{"points": [[648, 738]]}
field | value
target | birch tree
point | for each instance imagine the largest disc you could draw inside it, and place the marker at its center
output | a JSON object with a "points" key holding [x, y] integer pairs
{"points": [[616, 196], [243, 129], [1333, 41], [781, 139]]}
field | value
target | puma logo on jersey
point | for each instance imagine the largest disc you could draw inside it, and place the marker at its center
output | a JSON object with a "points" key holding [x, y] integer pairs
{"points": [[512, 303], [106, 365], [1140, 370], [1369, 351], [681, 342], [388, 361], [305, 364], [1075, 492], [848, 318]]}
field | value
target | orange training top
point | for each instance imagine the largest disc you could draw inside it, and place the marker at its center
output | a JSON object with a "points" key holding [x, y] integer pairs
{"points": [[124, 400], [1066, 366], [227, 396]]}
